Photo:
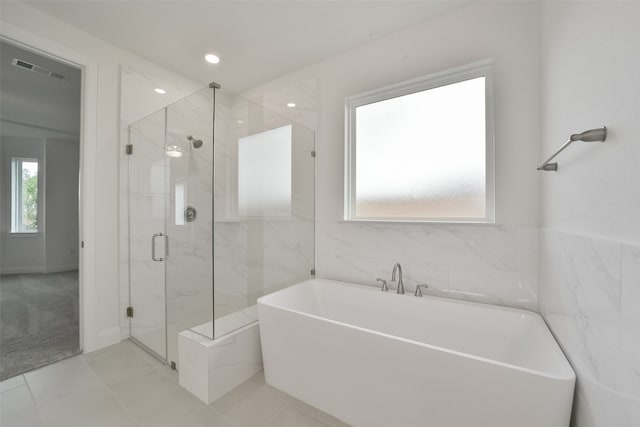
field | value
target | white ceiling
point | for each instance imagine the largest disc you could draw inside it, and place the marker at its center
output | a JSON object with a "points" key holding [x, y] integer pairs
{"points": [[256, 40], [34, 99]]}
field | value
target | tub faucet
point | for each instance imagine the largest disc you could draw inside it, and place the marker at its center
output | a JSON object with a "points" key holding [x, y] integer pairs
{"points": [[419, 287], [398, 267]]}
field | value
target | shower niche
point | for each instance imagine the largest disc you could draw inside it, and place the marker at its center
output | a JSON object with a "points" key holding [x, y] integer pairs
{"points": [[220, 196]]}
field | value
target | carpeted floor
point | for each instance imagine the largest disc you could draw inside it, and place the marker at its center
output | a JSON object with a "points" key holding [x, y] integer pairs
{"points": [[39, 321]]}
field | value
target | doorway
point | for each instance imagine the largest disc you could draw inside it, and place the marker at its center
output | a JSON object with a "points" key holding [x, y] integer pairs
{"points": [[40, 120]]}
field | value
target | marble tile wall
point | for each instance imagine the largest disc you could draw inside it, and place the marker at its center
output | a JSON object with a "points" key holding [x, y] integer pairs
{"points": [[189, 276], [483, 263], [589, 295], [255, 256]]}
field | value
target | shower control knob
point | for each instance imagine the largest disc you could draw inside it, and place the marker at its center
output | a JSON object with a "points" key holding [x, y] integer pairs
{"points": [[190, 214]]}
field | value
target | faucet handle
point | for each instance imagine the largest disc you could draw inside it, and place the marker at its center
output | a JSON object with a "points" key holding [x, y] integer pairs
{"points": [[419, 287], [384, 285]]}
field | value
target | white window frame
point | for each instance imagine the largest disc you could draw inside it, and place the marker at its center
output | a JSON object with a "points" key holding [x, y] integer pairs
{"points": [[453, 75], [17, 204]]}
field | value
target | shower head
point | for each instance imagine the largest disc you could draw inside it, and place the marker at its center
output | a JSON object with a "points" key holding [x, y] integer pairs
{"points": [[592, 135], [197, 143]]}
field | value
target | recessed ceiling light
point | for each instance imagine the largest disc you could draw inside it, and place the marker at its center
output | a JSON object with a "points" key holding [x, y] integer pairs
{"points": [[160, 91], [240, 122], [291, 104], [211, 58]]}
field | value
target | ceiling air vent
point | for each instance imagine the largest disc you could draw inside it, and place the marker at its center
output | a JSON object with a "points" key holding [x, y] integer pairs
{"points": [[37, 69], [22, 64]]}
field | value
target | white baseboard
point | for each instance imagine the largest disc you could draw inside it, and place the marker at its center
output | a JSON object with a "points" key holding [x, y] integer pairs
{"points": [[60, 268], [38, 269], [107, 338], [23, 269]]}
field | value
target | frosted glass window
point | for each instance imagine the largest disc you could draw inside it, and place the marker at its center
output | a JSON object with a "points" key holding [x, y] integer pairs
{"points": [[421, 151], [264, 173]]}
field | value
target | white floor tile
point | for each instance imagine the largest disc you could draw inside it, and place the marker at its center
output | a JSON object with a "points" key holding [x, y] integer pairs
{"points": [[86, 410], [12, 383], [295, 417], [249, 405], [206, 417], [118, 364], [157, 400], [122, 387], [64, 379], [17, 409]]}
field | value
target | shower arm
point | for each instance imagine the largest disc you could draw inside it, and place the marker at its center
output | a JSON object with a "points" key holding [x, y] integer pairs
{"points": [[592, 135]]}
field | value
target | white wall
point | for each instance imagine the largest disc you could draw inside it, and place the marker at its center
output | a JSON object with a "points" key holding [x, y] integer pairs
{"points": [[108, 58], [590, 245], [62, 162], [487, 263]]}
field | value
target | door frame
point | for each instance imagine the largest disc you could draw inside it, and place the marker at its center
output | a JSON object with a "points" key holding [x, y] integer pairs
{"points": [[87, 178]]}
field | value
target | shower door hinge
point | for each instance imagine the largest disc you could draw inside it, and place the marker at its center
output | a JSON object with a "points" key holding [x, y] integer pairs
{"points": [[82, 244], [313, 271], [313, 153], [129, 311], [129, 149]]}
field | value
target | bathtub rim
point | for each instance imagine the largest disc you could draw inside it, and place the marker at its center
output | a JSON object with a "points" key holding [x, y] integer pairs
{"points": [[570, 374]]}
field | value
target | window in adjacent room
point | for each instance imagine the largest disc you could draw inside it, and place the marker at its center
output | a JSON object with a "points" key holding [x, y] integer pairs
{"points": [[422, 150], [24, 195]]}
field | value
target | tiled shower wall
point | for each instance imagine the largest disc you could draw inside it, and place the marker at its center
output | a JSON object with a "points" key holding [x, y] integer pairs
{"points": [[256, 256], [590, 245], [589, 295]]}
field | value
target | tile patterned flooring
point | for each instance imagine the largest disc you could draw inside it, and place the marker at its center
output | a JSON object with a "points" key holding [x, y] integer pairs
{"points": [[124, 386]]}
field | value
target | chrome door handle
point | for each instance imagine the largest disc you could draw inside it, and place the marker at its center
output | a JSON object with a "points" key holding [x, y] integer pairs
{"points": [[153, 247]]}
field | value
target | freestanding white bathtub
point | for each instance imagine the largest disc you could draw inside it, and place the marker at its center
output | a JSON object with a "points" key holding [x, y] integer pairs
{"points": [[374, 358]]}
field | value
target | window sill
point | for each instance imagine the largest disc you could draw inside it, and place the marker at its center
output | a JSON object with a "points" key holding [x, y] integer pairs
{"points": [[24, 235]]}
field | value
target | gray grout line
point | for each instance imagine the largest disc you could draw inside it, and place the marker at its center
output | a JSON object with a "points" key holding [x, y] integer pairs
{"points": [[156, 369], [33, 399], [224, 417], [111, 392]]}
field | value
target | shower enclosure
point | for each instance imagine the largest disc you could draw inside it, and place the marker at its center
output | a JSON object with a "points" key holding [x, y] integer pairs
{"points": [[221, 212]]}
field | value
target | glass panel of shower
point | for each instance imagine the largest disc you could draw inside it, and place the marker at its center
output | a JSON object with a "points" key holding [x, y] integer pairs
{"points": [[170, 226], [263, 209], [216, 220]]}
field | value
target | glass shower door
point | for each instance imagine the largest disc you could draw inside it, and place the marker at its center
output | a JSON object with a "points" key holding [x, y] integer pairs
{"points": [[189, 269], [148, 243], [170, 223]]}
